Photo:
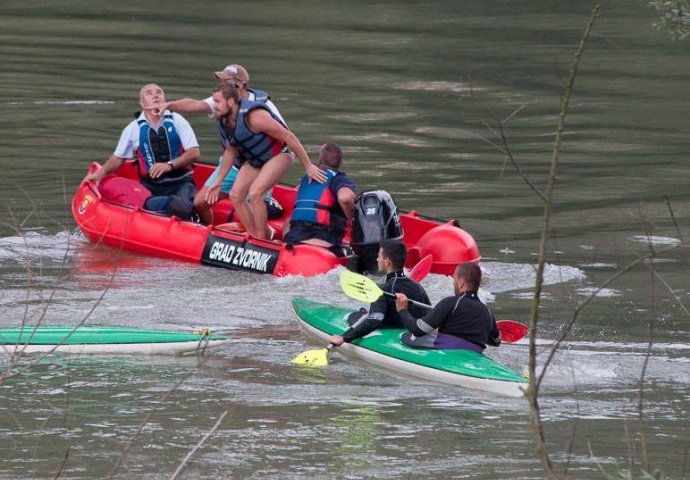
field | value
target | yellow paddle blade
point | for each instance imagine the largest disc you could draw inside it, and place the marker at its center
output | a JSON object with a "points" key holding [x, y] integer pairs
{"points": [[312, 358], [359, 287]]}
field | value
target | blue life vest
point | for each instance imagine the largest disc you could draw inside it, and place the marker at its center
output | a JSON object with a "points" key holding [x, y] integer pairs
{"points": [[259, 96], [317, 204], [159, 146], [257, 148]]}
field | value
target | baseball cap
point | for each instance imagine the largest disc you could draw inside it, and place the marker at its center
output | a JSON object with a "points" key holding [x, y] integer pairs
{"points": [[233, 71]]}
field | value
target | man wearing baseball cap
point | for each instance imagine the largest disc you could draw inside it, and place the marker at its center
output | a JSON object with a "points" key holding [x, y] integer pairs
{"points": [[233, 72], [237, 76]]}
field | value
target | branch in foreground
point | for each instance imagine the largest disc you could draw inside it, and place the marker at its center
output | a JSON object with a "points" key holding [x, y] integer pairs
{"points": [[568, 327], [532, 392], [197, 446]]}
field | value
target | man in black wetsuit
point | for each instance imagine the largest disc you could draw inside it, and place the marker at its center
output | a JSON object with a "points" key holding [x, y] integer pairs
{"points": [[462, 320], [382, 313]]}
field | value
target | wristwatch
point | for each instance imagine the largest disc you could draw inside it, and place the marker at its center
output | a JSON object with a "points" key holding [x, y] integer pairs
{"points": [[169, 162]]}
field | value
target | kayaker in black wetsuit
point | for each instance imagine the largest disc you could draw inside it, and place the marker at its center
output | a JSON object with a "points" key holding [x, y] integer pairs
{"points": [[462, 320], [382, 313]]}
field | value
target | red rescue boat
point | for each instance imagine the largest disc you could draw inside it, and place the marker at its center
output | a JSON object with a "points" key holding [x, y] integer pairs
{"points": [[120, 223]]}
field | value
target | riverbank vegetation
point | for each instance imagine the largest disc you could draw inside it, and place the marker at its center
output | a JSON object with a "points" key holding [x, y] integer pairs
{"points": [[640, 465]]}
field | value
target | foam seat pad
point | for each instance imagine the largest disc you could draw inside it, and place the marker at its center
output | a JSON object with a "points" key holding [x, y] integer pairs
{"points": [[123, 191]]}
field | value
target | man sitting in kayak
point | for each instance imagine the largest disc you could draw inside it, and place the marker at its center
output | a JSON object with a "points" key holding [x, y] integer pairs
{"points": [[463, 321], [322, 210], [261, 141], [238, 76], [165, 147], [382, 313]]}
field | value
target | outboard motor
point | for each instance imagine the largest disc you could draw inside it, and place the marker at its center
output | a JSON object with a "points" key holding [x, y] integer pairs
{"points": [[375, 219]]}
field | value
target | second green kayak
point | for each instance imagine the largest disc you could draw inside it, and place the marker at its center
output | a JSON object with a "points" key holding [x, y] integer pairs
{"points": [[97, 339]]}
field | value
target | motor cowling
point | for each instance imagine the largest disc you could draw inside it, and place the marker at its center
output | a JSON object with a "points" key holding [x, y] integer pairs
{"points": [[375, 219]]}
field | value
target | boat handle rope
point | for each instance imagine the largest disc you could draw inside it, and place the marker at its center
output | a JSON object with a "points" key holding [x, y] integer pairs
{"points": [[203, 341]]}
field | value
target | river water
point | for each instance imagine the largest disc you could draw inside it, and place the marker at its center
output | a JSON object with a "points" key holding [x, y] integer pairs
{"points": [[413, 92]]}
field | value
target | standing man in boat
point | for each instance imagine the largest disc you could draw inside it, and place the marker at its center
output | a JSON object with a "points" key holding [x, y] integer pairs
{"points": [[322, 210], [462, 320], [165, 147], [237, 76], [382, 313], [260, 140]]}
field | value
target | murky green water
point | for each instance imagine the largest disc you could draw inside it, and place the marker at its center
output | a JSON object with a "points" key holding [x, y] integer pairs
{"points": [[413, 92]]}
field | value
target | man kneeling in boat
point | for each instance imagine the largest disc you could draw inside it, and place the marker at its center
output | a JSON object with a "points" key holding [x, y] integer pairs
{"points": [[382, 313], [322, 210], [462, 321], [165, 147]]}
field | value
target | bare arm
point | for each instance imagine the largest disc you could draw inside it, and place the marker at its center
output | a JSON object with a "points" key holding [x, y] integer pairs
{"points": [[187, 158], [261, 121], [185, 105], [110, 165], [346, 199]]}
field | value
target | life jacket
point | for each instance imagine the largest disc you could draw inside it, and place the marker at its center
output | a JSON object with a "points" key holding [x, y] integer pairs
{"points": [[159, 146], [259, 95], [317, 204], [249, 144]]}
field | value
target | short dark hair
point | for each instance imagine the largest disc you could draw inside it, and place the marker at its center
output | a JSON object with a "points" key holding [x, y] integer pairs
{"points": [[470, 273], [331, 155], [228, 91], [396, 251]]}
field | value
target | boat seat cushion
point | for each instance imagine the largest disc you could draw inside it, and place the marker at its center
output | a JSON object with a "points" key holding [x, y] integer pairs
{"points": [[123, 191]]}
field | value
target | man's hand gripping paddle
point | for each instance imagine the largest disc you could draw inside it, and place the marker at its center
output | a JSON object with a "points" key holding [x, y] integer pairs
{"points": [[511, 331], [364, 289]]}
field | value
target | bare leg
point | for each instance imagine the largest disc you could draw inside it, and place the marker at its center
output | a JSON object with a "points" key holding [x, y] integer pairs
{"points": [[319, 242], [203, 208], [270, 174], [238, 196]]}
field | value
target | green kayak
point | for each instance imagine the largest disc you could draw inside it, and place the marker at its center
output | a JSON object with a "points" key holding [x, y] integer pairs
{"points": [[93, 339], [384, 349]]}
